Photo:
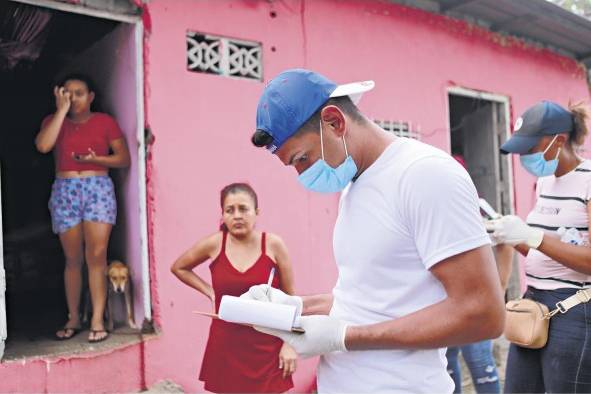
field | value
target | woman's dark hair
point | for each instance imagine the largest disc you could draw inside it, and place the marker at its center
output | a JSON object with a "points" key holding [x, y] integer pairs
{"points": [[78, 77], [261, 138], [580, 113], [88, 81], [237, 188]]}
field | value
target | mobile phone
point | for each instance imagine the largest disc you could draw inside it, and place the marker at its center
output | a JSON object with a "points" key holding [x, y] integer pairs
{"points": [[488, 210]]}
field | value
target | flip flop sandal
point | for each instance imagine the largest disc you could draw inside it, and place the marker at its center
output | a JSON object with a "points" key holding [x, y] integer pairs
{"points": [[94, 332], [72, 330]]}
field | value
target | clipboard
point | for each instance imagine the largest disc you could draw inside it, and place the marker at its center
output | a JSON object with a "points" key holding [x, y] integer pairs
{"points": [[214, 316]]}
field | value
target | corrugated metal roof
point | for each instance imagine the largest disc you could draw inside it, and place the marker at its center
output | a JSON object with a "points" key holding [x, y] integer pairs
{"points": [[533, 20]]}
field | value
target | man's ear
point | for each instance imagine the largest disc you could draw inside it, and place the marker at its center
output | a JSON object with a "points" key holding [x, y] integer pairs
{"points": [[92, 95], [333, 119]]}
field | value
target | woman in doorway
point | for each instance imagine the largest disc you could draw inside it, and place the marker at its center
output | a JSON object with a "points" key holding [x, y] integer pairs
{"points": [[238, 358], [83, 208], [555, 241]]}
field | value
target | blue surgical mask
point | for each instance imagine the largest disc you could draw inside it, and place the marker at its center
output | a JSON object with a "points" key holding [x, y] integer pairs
{"points": [[322, 178], [536, 165]]}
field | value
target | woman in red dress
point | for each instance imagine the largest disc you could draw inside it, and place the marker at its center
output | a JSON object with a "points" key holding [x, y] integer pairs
{"points": [[237, 358]]}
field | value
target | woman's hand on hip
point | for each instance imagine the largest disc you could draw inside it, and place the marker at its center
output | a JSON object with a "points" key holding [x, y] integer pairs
{"points": [[287, 360], [212, 298]]}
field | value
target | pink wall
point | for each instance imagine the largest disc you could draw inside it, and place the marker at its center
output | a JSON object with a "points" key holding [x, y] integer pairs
{"points": [[105, 372], [202, 125]]}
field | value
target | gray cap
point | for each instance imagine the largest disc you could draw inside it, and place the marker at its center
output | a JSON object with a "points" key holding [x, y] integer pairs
{"points": [[544, 118]]}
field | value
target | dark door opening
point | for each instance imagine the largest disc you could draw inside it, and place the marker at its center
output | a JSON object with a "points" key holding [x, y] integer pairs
{"points": [[478, 128], [33, 258]]}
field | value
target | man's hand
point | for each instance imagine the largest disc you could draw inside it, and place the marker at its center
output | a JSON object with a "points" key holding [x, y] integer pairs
{"points": [[512, 230], [276, 296], [324, 334]]}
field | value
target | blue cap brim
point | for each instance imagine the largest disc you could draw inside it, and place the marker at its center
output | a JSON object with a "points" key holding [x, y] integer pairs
{"points": [[520, 144]]}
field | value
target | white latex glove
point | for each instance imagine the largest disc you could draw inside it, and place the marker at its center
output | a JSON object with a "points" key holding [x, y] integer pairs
{"points": [[324, 334], [493, 240], [512, 230], [276, 296]]}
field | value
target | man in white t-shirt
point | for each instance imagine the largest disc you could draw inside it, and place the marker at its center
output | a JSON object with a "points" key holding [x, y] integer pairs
{"points": [[416, 270]]}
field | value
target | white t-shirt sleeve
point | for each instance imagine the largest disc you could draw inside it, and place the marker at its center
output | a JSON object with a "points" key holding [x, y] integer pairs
{"points": [[441, 208]]}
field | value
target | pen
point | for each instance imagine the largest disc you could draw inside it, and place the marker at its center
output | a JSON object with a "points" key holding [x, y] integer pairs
{"points": [[270, 280]]}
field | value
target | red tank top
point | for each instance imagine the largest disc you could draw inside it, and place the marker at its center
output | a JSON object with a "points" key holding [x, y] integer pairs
{"points": [[239, 359]]}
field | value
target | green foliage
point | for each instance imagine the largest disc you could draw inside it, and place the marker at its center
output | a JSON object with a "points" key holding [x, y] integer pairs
{"points": [[579, 7]]}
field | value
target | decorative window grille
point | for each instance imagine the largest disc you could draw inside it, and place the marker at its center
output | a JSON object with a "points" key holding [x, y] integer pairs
{"points": [[224, 56], [401, 129]]}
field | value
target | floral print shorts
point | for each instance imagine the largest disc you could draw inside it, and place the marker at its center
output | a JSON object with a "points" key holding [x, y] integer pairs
{"points": [[74, 200]]}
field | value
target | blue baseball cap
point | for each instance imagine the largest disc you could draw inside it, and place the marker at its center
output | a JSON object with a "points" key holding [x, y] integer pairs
{"points": [[293, 96], [544, 118]]}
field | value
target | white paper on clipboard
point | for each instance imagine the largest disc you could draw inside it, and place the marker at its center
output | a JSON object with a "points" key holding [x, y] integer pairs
{"points": [[257, 313]]}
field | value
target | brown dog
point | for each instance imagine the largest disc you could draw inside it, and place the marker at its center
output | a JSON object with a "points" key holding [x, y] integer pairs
{"points": [[119, 283]]}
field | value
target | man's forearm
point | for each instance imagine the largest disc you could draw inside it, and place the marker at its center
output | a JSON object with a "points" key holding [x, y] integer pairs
{"points": [[504, 259], [446, 323], [47, 137], [319, 304]]}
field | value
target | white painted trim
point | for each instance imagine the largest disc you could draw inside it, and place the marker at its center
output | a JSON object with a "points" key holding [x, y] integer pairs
{"points": [[510, 158], [3, 330], [460, 91], [448, 120], [498, 98], [141, 165], [78, 9]]}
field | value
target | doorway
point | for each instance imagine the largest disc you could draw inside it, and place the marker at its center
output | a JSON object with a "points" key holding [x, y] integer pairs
{"points": [[479, 125], [109, 50]]}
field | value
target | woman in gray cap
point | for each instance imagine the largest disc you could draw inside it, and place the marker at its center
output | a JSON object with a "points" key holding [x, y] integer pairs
{"points": [[555, 241]]}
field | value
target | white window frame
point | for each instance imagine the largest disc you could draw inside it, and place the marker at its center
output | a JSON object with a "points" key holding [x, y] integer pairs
{"points": [[399, 128], [223, 45]]}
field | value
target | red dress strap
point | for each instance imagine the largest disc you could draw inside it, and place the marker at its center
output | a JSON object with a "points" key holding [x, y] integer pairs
{"points": [[263, 244], [224, 239]]}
